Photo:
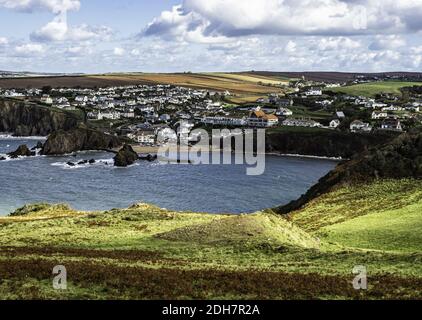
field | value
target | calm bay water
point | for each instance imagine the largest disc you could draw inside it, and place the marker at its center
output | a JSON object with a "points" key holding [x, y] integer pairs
{"points": [[204, 188]]}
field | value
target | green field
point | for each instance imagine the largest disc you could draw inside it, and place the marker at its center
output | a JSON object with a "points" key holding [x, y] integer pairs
{"points": [[373, 88], [148, 253]]}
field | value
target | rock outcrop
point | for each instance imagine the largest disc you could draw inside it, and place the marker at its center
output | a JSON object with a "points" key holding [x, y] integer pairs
{"points": [[325, 144], [80, 139], [24, 119], [21, 151], [39, 145], [125, 157], [399, 159]]}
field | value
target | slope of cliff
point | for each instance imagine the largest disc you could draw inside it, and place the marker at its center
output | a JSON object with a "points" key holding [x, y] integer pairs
{"points": [[402, 158], [23, 119], [325, 143]]}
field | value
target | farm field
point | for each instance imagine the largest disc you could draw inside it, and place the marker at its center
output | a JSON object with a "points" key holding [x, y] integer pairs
{"points": [[374, 88], [237, 84], [144, 252]]}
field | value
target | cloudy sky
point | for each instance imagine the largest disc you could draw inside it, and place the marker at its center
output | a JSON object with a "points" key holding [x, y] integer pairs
{"points": [[94, 36]]}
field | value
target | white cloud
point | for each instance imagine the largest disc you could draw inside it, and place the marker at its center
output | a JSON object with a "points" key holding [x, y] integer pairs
{"points": [[29, 49], [387, 42], [336, 43], [59, 30], [119, 51], [215, 20], [291, 47], [55, 6], [3, 41]]}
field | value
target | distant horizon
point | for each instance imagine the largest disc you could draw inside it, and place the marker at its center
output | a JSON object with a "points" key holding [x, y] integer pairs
{"points": [[184, 72]]}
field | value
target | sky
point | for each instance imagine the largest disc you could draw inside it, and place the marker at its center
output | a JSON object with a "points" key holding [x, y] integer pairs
{"points": [[99, 36]]}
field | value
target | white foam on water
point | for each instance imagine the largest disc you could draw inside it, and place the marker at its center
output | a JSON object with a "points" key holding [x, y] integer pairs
{"points": [[99, 162], [11, 137]]}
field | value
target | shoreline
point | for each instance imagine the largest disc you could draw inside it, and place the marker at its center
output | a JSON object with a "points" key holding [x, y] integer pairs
{"points": [[9, 136], [154, 150]]}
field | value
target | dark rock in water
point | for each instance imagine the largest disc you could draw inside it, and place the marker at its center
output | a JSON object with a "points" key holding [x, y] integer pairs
{"points": [[80, 139], [92, 161], [2, 158], [83, 162], [152, 158], [125, 157], [71, 164], [39, 145], [22, 151]]}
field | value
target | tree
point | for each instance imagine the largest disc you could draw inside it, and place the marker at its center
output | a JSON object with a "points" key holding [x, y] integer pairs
{"points": [[46, 89]]}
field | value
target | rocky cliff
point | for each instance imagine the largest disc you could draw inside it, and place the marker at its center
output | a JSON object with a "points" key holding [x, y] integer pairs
{"points": [[325, 144], [401, 158], [24, 119], [79, 139], [125, 157]]}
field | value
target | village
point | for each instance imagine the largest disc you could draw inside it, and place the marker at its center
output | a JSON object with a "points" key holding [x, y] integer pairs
{"points": [[141, 113]]}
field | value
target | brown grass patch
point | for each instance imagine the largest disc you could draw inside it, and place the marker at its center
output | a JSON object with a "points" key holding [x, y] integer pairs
{"points": [[143, 283]]}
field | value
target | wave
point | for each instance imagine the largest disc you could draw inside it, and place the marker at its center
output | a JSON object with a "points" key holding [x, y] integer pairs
{"points": [[6, 136], [99, 162], [305, 156]]}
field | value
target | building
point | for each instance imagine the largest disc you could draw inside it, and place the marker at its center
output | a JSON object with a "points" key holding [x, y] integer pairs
{"points": [[165, 118], [340, 115], [301, 123], [145, 137], [109, 115], [334, 124], [360, 126], [376, 115], [314, 92], [128, 113], [224, 121], [260, 119], [391, 125], [284, 112], [46, 99]]}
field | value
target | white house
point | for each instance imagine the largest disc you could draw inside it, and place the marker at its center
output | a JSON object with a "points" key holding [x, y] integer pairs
{"points": [[360, 126], [314, 92], [224, 121], [376, 115], [392, 124], [146, 137], [285, 112], [301, 123], [334, 124], [46, 99]]}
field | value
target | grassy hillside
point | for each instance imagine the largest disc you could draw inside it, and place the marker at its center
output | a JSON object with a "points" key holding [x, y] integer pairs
{"points": [[373, 88], [148, 253], [384, 215]]}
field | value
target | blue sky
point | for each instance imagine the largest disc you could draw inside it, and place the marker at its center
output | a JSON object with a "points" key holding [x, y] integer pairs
{"points": [[96, 36]]}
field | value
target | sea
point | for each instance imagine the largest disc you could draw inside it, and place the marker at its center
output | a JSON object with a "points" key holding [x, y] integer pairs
{"points": [[181, 187]]}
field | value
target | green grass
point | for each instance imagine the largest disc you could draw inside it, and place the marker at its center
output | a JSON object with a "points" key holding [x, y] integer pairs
{"points": [[350, 202], [373, 88], [297, 130], [145, 252], [391, 230], [302, 111]]}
